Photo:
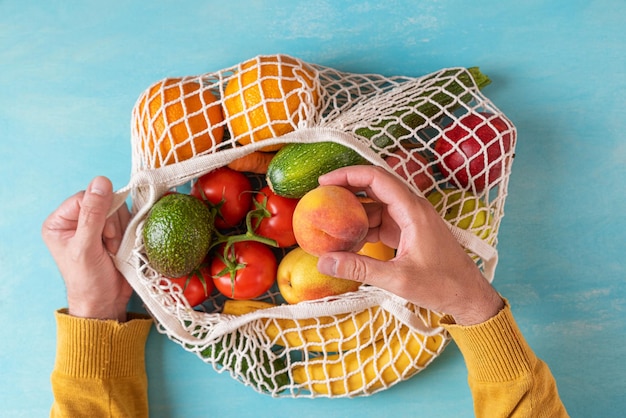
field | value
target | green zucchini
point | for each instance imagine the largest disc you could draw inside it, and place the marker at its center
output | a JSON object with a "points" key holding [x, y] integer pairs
{"points": [[273, 378], [295, 168], [443, 94]]}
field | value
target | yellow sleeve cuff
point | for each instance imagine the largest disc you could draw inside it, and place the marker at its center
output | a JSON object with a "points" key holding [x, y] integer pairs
{"points": [[495, 350], [101, 349]]}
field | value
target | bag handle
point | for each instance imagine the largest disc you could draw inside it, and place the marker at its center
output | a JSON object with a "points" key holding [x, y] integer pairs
{"points": [[478, 246]]}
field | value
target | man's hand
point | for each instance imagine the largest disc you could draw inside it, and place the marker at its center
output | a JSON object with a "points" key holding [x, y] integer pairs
{"points": [[80, 238], [430, 268]]}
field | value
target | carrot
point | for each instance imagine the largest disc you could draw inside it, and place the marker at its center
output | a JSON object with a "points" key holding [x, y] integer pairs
{"points": [[255, 162]]}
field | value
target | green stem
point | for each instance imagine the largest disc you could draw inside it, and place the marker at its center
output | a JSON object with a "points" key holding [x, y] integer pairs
{"points": [[230, 266], [229, 258], [481, 79], [249, 235]]}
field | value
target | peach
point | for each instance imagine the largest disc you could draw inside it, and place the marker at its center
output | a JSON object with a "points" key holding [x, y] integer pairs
{"points": [[330, 218]]}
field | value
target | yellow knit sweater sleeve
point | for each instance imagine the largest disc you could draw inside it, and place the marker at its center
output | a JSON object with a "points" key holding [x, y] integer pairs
{"points": [[100, 367], [505, 376]]}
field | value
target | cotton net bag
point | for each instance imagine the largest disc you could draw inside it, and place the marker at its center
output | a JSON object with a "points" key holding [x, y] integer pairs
{"points": [[361, 342]]}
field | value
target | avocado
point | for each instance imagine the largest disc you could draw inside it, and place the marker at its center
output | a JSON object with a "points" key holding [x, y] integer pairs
{"points": [[177, 234]]}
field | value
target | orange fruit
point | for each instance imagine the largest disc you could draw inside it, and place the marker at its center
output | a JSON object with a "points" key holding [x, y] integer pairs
{"points": [[267, 97], [177, 119], [377, 250]]}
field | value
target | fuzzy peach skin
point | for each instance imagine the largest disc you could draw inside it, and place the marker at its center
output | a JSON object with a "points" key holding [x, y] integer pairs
{"points": [[330, 218]]}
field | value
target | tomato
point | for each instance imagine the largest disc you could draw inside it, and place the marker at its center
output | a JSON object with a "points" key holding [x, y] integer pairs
{"points": [[197, 286], [277, 221], [247, 271], [228, 191], [472, 150]]}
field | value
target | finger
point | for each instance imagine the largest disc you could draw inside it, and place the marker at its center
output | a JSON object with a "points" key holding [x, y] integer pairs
{"points": [[116, 223], [60, 225], [112, 233], [351, 266], [114, 229], [124, 215], [375, 181], [94, 207], [374, 213]]}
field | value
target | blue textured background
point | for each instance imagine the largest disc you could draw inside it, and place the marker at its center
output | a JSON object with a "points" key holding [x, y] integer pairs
{"points": [[70, 72]]}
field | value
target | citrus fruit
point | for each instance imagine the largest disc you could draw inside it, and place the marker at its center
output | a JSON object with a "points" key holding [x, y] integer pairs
{"points": [[176, 119], [377, 250], [463, 209], [267, 97], [177, 234]]}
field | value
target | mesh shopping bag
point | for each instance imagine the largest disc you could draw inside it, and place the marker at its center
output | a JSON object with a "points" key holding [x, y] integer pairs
{"points": [[353, 344]]}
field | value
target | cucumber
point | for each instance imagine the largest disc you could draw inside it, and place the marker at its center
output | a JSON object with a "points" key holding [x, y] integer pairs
{"points": [[295, 168], [444, 94], [274, 377]]}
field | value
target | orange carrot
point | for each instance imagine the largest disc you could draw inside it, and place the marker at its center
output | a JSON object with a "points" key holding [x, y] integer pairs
{"points": [[255, 162]]}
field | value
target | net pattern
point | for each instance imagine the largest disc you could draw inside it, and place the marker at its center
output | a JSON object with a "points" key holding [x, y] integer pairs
{"points": [[351, 345]]}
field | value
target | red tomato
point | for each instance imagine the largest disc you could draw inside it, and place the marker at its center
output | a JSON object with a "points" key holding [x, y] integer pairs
{"points": [[197, 286], [415, 168], [227, 190], [472, 150], [254, 266], [278, 224]]}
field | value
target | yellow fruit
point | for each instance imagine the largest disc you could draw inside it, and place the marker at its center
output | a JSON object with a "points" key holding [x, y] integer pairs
{"points": [[177, 119], [377, 250], [244, 306], [323, 334], [299, 279], [331, 334], [463, 209], [267, 98], [369, 368]]}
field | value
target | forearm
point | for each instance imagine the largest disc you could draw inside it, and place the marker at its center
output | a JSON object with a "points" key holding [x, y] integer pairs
{"points": [[100, 367], [505, 376]]}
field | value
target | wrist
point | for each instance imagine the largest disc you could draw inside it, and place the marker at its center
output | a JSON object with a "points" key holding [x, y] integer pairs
{"points": [[97, 311], [480, 309]]}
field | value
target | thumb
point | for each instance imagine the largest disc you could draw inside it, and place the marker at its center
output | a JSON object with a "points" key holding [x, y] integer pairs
{"points": [[352, 266], [94, 208]]}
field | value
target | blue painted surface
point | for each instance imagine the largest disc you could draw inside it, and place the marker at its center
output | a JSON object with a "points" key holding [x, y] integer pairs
{"points": [[70, 73]]}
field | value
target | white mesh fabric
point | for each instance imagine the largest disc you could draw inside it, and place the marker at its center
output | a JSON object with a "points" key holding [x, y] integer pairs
{"points": [[355, 344]]}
